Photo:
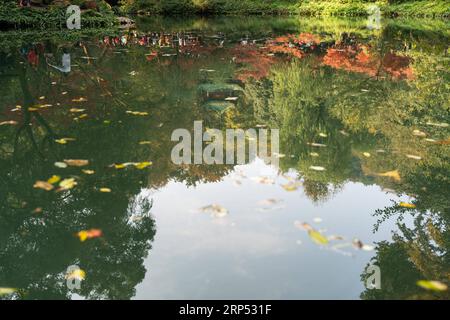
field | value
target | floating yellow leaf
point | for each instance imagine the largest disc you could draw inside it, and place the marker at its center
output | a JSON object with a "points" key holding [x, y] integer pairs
{"points": [[407, 205], [291, 186], [317, 237], [7, 291], [67, 184], [88, 171], [44, 185], [394, 174], [143, 165], [54, 179], [77, 110], [77, 274], [105, 190], [137, 113], [76, 162], [419, 133], [64, 140], [432, 285], [89, 234]]}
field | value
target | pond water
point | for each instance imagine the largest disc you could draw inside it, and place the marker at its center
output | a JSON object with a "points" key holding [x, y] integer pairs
{"points": [[357, 200]]}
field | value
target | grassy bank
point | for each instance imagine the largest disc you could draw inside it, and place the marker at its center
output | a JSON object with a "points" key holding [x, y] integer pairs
{"points": [[417, 8]]}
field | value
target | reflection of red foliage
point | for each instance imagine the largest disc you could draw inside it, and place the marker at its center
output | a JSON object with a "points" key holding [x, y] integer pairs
{"points": [[293, 44], [259, 62], [361, 61], [33, 58], [260, 59]]}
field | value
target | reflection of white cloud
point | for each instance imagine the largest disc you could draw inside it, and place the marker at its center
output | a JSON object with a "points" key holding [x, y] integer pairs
{"points": [[249, 254]]}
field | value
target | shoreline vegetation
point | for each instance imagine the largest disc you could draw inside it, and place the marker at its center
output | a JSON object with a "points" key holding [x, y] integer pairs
{"points": [[50, 14]]}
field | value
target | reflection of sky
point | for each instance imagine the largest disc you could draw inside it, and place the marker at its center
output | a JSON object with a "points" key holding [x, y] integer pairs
{"points": [[254, 254]]}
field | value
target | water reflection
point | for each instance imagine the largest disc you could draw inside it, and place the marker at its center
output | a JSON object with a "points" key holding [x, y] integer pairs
{"points": [[355, 108]]}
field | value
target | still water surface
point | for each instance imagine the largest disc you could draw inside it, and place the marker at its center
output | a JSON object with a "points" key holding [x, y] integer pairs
{"points": [[363, 174]]}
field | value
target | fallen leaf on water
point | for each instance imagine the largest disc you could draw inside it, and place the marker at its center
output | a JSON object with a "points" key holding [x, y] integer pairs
{"points": [[314, 144], [81, 99], [88, 171], [317, 168], [61, 165], [291, 186], [432, 285], [37, 210], [335, 237], [394, 174], [357, 244], [414, 157], [263, 180], [64, 140], [10, 122], [76, 162], [7, 291], [54, 179], [89, 234], [440, 125], [143, 165], [216, 211], [105, 190], [137, 113], [77, 274], [407, 205], [67, 184], [443, 142], [44, 185], [317, 237], [76, 110], [303, 226], [419, 133], [279, 155], [269, 202], [82, 116]]}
